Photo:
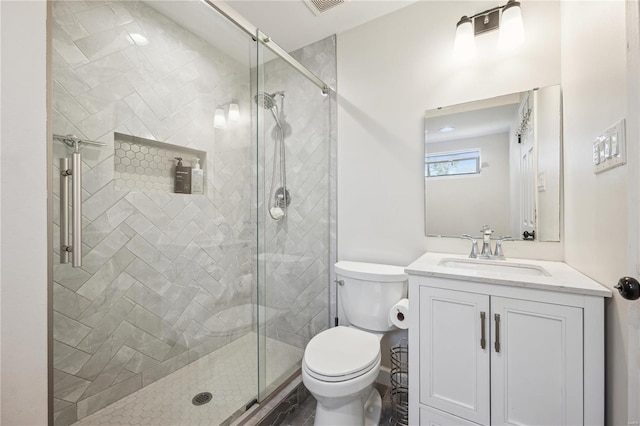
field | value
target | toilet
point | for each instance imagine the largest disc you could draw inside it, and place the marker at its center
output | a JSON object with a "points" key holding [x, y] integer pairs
{"points": [[341, 364]]}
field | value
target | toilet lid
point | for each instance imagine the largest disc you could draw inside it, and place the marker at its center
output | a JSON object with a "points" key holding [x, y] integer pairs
{"points": [[341, 351]]}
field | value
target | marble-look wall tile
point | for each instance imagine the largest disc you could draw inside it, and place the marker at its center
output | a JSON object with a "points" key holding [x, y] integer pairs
{"points": [[68, 387], [68, 302], [67, 104], [101, 44], [103, 18], [94, 232], [94, 403], [108, 317], [101, 71], [97, 98], [101, 279], [110, 372], [67, 330], [140, 362], [148, 253], [104, 251], [106, 352], [167, 367], [65, 47], [148, 276], [148, 345], [67, 358]]}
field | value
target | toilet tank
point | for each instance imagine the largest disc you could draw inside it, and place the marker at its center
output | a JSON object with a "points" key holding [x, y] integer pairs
{"points": [[369, 291]]}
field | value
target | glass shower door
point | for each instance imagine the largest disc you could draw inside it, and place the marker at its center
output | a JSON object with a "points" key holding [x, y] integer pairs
{"points": [[293, 160], [157, 326]]}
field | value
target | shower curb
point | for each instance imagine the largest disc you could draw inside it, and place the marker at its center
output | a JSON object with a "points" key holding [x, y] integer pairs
{"points": [[275, 409]]}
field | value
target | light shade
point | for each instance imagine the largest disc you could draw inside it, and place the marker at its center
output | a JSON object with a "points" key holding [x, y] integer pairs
{"points": [[511, 27], [219, 122], [465, 45], [234, 112]]}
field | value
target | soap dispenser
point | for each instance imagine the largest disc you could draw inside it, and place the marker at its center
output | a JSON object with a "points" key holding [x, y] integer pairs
{"points": [[197, 178], [182, 178]]}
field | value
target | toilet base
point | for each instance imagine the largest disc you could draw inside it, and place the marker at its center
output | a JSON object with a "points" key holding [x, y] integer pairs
{"points": [[355, 413]]}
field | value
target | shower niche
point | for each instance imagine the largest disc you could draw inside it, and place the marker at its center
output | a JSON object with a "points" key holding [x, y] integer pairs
{"points": [[147, 165]]}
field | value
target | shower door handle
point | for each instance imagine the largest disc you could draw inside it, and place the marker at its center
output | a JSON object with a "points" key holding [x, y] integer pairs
{"points": [[75, 174]]}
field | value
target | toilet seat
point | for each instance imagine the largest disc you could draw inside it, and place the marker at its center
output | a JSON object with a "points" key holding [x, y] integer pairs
{"points": [[341, 353]]}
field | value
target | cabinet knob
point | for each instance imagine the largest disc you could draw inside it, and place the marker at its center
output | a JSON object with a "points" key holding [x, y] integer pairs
{"points": [[629, 288]]}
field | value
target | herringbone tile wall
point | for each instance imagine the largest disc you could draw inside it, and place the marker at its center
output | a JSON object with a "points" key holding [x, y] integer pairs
{"points": [[168, 278]]}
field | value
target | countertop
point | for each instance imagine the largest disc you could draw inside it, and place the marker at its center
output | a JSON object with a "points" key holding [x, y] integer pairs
{"points": [[563, 278]]}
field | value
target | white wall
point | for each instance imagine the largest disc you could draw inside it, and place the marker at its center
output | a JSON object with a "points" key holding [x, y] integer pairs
{"points": [[595, 97], [549, 125], [463, 204], [390, 71], [23, 337]]}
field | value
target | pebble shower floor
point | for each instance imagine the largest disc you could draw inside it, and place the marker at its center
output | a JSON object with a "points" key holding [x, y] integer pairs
{"points": [[228, 373]]}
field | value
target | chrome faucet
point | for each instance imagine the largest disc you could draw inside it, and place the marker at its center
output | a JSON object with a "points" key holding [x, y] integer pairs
{"points": [[486, 242], [486, 252]]}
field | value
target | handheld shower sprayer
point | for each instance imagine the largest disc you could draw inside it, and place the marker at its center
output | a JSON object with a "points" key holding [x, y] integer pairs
{"points": [[280, 197]]}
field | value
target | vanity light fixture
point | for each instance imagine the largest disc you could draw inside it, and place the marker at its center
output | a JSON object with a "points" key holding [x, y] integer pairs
{"points": [[234, 112], [219, 122], [219, 119], [511, 32]]}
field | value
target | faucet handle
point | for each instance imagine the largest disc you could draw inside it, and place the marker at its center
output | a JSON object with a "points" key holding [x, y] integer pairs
{"points": [[486, 229], [498, 253], [474, 245]]}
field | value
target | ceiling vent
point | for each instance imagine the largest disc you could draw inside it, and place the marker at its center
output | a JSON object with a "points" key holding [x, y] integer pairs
{"points": [[321, 6]]}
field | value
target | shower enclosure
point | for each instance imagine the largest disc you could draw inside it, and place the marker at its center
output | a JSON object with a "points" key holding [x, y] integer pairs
{"points": [[185, 308]]}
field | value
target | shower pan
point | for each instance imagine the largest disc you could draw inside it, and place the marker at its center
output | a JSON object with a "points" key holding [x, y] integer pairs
{"points": [[184, 308]]}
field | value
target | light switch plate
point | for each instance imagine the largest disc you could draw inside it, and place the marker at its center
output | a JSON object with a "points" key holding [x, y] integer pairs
{"points": [[609, 149]]}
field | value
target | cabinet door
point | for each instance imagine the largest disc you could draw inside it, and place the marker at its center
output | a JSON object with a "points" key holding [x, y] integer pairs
{"points": [[432, 417], [454, 367], [536, 369]]}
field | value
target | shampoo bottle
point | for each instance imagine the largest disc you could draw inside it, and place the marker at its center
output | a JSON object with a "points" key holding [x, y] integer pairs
{"points": [[197, 178], [182, 178]]}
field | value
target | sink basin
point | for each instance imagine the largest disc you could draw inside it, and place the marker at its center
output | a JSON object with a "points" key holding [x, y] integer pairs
{"points": [[496, 266]]}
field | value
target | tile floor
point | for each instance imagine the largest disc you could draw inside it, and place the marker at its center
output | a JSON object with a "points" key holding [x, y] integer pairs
{"points": [[230, 374]]}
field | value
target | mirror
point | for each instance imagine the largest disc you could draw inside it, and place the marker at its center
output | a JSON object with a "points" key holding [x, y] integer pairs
{"points": [[497, 162]]}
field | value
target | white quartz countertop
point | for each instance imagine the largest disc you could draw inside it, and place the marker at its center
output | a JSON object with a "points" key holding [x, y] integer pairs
{"points": [[562, 278]]}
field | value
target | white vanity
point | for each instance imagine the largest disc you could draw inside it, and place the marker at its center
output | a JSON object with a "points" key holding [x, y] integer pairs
{"points": [[504, 342]]}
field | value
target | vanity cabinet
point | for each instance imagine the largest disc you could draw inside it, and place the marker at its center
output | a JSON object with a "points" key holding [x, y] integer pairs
{"points": [[497, 360], [494, 349]]}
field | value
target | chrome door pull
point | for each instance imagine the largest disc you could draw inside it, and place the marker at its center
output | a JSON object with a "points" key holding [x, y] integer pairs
{"points": [[64, 210], [497, 344], [75, 174], [483, 341]]}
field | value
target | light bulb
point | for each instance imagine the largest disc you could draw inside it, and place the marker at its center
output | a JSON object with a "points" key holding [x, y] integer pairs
{"points": [[219, 122], [234, 112], [511, 27], [465, 45]]}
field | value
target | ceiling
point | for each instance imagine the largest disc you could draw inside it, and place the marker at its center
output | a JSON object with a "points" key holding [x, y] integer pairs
{"points": [[292, 25]]}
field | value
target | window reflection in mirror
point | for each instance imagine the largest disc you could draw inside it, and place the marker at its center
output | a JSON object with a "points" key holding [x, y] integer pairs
{"points": [[497, 162]]}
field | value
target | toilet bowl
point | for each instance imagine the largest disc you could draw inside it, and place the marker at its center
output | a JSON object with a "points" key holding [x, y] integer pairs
{"points": [[341, 364]]}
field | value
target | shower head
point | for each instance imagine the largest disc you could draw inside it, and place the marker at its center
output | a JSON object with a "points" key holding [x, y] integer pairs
{"points": [[265, 100], [268, 100]]}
